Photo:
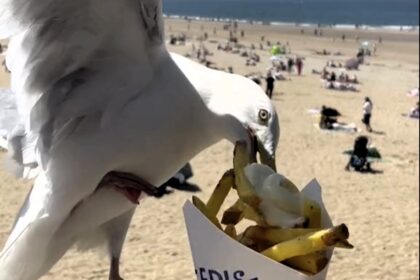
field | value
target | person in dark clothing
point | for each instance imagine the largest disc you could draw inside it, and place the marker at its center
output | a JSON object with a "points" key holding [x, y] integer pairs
{"points": [[328, 117], [299, 65], [290, 64], [333, 77], [367, 113], [358, 159], [270, 85]]}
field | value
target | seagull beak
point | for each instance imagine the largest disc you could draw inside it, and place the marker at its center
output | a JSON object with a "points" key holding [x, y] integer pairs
{"points": [[254, 144], [266, 157]]}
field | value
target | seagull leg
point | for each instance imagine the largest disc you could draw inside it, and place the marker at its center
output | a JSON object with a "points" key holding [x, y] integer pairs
{"points": [[116, 231], [114, 273], [132, 188]]}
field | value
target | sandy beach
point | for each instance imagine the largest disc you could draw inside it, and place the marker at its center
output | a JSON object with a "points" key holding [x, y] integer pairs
{"points": [[381, 210]]}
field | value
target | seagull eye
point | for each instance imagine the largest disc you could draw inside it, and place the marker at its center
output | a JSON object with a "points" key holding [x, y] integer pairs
{"points": [[264, 116]]}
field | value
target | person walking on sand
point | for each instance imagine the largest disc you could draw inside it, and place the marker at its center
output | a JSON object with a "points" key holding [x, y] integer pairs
{"points": [[367, 113], [270, 84], [299, 65], [290, 64]]}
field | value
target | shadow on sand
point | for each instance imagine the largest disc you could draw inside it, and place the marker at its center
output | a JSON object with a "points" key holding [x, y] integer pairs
{"points": [[169, 187], [378, 132]]}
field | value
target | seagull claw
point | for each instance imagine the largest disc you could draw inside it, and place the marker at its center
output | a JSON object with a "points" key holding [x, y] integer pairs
{"points": [[115, 270]]}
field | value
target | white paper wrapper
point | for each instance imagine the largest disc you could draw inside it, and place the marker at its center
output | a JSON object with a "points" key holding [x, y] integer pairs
{"points": [[218, 257]]}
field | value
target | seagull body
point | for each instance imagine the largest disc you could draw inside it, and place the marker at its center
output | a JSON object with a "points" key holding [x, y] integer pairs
{"points": [[96, 87], [92, 224]]}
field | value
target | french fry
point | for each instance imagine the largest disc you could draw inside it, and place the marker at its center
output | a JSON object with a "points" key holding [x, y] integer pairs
{"points": [[275, 235], [313, 213], [239, 211], [230, 230], [311, 264], [303, 249], [234, 214], [243, 186], [221, 192], [308, 244], [203, 209]]}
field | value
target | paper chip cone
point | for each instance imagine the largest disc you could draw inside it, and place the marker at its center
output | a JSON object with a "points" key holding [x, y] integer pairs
{"points": [[218, 257]]}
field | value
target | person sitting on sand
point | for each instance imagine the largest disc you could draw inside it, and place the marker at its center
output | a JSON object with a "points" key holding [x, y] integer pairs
{"points": [[328, 118], [358, 160], [333, 77], [331, 64], [343, 77], [325, 74], [415, 112], [352, 79]]}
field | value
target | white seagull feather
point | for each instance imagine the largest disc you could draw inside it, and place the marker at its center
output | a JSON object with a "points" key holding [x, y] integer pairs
{"points": [[97, 90]]}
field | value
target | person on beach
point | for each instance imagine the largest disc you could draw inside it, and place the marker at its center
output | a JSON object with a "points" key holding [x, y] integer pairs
{"points": [[415, 112], [325, 74], [270, 84], [367, 113], [333, 77], [328, 118], [290, 64], [358, 159], [299, 65]]}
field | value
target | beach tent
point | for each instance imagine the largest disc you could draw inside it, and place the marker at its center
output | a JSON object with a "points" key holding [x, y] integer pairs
{"points": [[366, 45], [352, 64], [276, 50]]}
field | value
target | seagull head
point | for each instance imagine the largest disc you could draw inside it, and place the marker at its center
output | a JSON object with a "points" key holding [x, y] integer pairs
{"points": [[248, 103], [264, 123]]}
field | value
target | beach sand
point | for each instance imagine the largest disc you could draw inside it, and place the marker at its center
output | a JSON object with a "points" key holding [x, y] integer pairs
{"points": [[380, 210]]}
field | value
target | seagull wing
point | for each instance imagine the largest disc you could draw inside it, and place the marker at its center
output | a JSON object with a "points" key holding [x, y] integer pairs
{"points": [[74, 58], [71, 61]]}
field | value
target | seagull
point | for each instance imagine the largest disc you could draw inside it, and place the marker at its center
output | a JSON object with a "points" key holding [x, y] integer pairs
{"points": [[222, 92], [112, 114]]}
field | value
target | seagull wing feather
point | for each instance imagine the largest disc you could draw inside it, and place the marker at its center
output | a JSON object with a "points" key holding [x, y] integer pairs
{"points": [[70, 60]]}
